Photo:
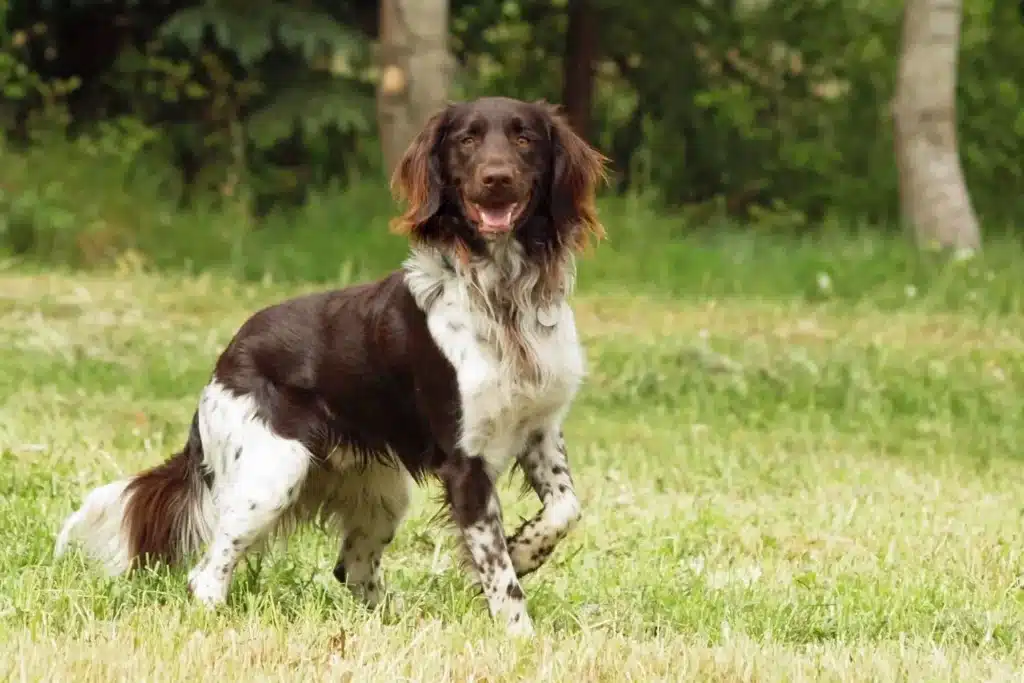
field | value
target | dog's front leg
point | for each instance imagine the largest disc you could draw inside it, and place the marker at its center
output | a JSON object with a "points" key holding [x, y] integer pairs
{"points": [[546, 467], [477, 512]]}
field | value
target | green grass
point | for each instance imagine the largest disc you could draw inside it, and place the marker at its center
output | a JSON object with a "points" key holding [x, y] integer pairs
{"points": [[799, 459], [774, 490]]}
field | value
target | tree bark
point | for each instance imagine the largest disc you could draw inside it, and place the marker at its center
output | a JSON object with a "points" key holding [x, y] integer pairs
{"points": [[933, 192], [578, 70], [414, 71]]}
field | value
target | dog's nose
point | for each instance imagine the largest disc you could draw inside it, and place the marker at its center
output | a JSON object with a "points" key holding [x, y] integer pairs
{"points": [[496, 176]]}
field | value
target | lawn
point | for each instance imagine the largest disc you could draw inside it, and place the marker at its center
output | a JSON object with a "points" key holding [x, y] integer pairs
{"points": [[773, 490]]}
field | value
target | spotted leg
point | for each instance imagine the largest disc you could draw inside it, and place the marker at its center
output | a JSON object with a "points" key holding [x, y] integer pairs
{"points": [[266, 475], [546, 466], [477, 513], [372, 502]]}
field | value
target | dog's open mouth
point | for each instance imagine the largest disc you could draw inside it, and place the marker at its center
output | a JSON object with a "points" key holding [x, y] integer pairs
{"points": [[495, 219]]}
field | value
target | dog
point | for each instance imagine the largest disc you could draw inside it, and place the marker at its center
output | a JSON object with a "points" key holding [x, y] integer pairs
{"points": [[464, 362]]}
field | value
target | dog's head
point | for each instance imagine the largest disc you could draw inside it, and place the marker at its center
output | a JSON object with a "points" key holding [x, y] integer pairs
{"points": [[495, 169]]}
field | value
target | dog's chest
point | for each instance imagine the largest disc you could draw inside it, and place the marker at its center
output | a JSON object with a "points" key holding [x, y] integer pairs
{"points": [[512, 381]]}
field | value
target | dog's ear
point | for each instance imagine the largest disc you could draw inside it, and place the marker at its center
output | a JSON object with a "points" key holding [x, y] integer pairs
{"points": [[577, 168], [418, 178]]}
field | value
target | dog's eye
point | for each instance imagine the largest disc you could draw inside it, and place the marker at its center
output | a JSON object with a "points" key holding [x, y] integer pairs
{"points": [[523, 141], [468, 141]]}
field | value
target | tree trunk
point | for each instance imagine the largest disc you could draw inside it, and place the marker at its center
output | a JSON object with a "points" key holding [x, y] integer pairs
{"points": [[414, 71], [933, 192], [578, 70]]}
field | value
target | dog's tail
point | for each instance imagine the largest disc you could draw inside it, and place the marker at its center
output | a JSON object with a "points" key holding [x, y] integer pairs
{"points": [[161, 514]]}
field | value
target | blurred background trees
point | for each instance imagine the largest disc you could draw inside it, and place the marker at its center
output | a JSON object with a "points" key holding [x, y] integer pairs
{"points": [[778, 113]]}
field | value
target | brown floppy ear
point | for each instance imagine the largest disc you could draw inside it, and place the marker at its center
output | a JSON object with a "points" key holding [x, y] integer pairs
{"points": [[577, 170], [417, 179]]}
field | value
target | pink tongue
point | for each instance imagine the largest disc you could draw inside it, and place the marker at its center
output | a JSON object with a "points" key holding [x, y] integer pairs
{"points": [[497, 219]]}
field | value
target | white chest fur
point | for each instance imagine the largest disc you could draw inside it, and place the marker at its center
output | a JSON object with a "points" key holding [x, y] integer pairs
{"points": [[513, 380]]}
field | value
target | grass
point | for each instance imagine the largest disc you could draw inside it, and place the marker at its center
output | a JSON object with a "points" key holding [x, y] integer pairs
{"points": [[775, 489], [799, 459]]}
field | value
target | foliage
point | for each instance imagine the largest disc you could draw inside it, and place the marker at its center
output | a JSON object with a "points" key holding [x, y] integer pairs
{"points": [[265, 97], [775, 112]]}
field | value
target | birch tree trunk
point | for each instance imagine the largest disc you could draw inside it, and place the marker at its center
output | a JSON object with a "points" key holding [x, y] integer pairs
{"points": [[414, 71], [933, 193]]}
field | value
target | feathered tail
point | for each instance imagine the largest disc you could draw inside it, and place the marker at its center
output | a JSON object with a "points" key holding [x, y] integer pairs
{"points": [[161, 514]]}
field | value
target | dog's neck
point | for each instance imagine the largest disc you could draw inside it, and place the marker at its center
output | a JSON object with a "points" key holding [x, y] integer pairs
{"points": [[503, 282], [513, 303]]}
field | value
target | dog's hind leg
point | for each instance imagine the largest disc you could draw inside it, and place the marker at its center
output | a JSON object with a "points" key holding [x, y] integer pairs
{"points": [[260, 475], [372, 503]]}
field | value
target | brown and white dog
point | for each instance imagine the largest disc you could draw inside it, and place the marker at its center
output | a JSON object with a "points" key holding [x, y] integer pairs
{"points": [[458, 365]]}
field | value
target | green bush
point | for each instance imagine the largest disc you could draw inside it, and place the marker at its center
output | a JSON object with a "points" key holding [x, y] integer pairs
{"points": [[772, 114]]}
